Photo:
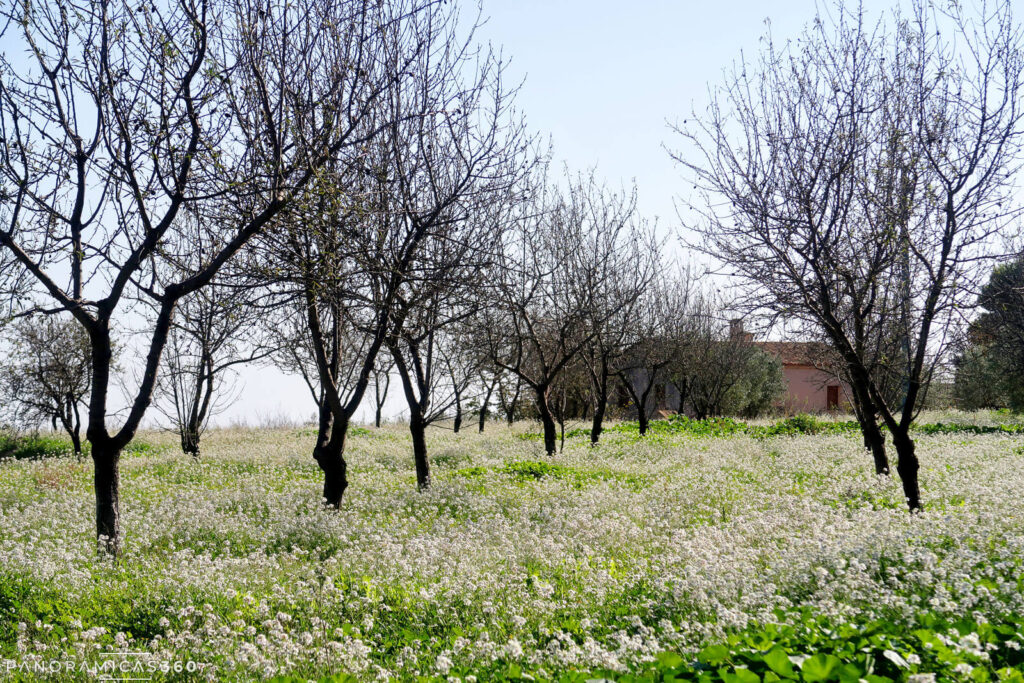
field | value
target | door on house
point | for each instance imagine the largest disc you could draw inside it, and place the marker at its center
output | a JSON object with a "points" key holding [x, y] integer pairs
{"points": [[832, 398]]}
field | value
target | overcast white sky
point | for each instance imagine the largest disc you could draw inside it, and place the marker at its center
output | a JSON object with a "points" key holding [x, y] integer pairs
{"points": [[603, 78]]}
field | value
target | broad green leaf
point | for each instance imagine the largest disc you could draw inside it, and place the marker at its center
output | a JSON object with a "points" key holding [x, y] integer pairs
{"points": [[670, 660], [714, 654], [741, 675], [820, 667], [778, 661]]}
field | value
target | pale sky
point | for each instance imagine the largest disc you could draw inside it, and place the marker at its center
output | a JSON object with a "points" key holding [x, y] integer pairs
{"points": [[602, 78]]}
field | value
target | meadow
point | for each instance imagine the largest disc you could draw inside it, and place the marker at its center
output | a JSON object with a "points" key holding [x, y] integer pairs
{"points": [[727, 555]]}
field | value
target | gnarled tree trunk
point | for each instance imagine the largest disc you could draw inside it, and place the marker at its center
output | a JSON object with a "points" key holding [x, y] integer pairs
{"points": [[483, 406], [907, 466], [874, 440], [329, 453], [597, 425], [458, 414], [547, 420]]}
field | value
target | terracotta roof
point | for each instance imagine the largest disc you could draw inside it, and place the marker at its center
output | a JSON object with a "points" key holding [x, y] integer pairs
{"points": [[814, 354]]}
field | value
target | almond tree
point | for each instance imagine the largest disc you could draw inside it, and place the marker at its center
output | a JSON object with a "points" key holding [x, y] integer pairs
{"points": [[381, 383], [860, 176], [124, 117], [360, 255], [549, 303], [46, 374], [211, 334]]}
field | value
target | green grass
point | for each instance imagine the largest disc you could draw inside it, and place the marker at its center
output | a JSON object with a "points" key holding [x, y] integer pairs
{"points": [[797, 425]]}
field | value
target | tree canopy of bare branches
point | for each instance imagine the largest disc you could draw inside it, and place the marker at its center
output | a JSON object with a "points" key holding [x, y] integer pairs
{"points": [[576, 259], [857, 177], [125, 117], [46, 375]]}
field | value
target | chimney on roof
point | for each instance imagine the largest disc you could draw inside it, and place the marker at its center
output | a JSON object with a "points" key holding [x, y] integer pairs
{"points": [[737, 333]]}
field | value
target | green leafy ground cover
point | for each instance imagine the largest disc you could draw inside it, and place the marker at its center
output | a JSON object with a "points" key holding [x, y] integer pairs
{"points": [[725, 558], [797, 425]]}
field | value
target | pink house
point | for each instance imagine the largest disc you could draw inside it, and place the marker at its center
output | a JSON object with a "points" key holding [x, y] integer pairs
{"points": [[809, 389], [810, 386]]}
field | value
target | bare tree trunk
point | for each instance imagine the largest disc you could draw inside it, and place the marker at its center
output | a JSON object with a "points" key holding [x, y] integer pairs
{"points": [[380, 396], [72, 424], [483, 406], [329, 454], [874, 440], [510, 411], [548, 420], [418, 430], [683, 389], [190, 427], [106, 457], [600, 406], [643, 420], [190, 440], [458, 413], [106, 450], [597, 425], [562, 401], [907, 466]]}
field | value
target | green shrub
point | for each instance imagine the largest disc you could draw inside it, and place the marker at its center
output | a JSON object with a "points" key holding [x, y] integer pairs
{"points": [[35, 447]]}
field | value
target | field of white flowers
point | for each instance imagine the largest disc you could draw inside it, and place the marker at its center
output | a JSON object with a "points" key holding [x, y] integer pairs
{"points": [[719, 557]]}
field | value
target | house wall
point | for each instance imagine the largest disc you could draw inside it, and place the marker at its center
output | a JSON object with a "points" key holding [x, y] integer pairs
{"points": [[806, 390]]}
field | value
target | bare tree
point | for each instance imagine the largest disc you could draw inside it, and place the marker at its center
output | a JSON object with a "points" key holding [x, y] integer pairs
{"points": [[489, 380], [549, 304], [619, 275], [570, 396], [381, 383], [462, 367], [510, 387], [127, 116], [651, 349], [46, 375], [438, 294], [358, 254], [859, 177], [418, 350], [211, 334]]}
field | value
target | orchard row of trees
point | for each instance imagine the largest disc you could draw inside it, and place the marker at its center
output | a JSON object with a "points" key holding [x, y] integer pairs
{"points": [[157, 159], [345, 188]]}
